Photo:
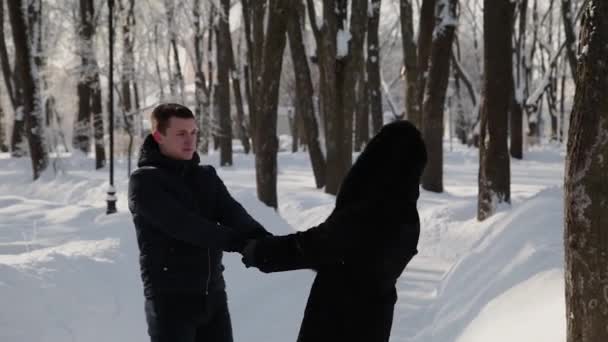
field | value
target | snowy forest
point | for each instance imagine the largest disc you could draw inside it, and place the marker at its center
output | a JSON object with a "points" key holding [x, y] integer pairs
{"points": [[509, 95]]}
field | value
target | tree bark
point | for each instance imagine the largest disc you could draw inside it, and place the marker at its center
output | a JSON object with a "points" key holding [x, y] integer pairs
{"points": [[520, 88], [82, 126], [201, 91], [304, 95], [410, 61], [568, 20], [223, 79], [373, 67], [586, 189], [34, 122], [267, 140], [3, 145], [435, 93], [494, 163], [425, 39]]}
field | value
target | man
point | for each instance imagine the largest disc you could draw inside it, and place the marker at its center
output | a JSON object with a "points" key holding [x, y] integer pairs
{"points": [[184, 218]]}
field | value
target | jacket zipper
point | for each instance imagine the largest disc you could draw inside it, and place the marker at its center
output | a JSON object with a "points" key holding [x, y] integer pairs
{"points": [[208, 272]]}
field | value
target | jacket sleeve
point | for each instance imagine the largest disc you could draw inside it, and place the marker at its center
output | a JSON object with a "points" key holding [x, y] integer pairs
{"points": [[323, 245], [234, 215], [149, 199]]}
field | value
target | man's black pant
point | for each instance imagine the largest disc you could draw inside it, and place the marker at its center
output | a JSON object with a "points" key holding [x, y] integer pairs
{"points": [[189, 318]]}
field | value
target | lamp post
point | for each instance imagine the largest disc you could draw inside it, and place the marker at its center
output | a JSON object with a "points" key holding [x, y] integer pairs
{"points": [[111, 198]]}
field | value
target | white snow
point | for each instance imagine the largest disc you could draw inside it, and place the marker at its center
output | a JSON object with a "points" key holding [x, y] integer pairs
{"points": [[68, 272], [342, 39]]}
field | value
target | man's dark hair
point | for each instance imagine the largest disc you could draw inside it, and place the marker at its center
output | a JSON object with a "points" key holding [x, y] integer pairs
{"points": [[162, 113]]}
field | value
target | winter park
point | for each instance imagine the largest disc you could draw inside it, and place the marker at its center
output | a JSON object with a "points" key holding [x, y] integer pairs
{"points": [[303, 170]]}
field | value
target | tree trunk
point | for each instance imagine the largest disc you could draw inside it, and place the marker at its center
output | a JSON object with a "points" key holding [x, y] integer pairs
{"points": [[34, 123], [435, 93], [4, 61], [410, 61], [304, 94], [238, 98], [201, 91], [82, 126], [494, 163], [3, 146], [425, 39], [373, 67], [267, 140], [362, 122], [568, 20], [586, 189], [223, 79], [98, 130], [520, 88]]}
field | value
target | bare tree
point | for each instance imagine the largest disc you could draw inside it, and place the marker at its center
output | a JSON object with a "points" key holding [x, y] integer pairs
{"points": [[3, 146], [435, 93], [201, 89], [568, 20], [26, 70], [374, 87], [304, 93], [338, 61], [494, 162], [520, 92], [586, 189], [266, 135], [224, 58], [425, 39], [410, 62]]}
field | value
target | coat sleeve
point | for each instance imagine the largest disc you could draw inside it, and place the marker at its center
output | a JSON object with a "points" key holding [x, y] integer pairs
{"points": [[149, 199], [327, 244], [234, 215]]}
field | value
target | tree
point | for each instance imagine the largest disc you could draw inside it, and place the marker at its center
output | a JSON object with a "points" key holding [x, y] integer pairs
{"points": [[494, 162], [567, 18], [26, 70], [425, 40], [520, 92], [3, 146], [338, 60], [435, 92], [410, 62], [374, 88], [266, 135], [201, 88], [586, 189], [224, 58], [304, 93]]}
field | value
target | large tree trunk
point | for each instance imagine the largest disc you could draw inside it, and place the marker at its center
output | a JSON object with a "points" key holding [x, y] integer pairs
{"points": [[425, 39], [223, 80], [435, 93], [373, 67], [410, 61], [32, 112], [267, 140], [494, 163], [98, 130], [82, 126], [201, 91], [254, 13], [586, 189], [304, 94], [338, 81], [362, 120]]}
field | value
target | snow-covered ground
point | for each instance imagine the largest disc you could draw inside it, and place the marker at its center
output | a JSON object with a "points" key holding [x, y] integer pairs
{"points": [[68, 272]]}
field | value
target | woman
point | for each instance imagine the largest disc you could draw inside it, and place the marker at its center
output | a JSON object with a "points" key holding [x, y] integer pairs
{"points": [[362, 247]]}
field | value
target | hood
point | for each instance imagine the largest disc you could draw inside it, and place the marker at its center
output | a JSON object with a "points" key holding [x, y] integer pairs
{"points": [[390, 166]]}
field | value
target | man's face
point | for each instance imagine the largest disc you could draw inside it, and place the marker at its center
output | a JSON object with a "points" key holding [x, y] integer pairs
{"points": [[179, 140]]}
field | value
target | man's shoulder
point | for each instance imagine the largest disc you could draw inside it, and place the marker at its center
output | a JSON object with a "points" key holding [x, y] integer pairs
{"points": [[147, 173]]}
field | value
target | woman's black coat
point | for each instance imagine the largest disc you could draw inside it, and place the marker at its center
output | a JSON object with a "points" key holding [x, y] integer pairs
{"points": [[362, 247]]}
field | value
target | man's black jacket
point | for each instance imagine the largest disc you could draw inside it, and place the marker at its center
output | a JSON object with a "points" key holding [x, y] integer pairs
{"points": [[184, 218]]}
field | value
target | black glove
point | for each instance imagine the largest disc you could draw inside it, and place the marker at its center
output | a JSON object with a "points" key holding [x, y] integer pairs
{"points": [[248, 253]]}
